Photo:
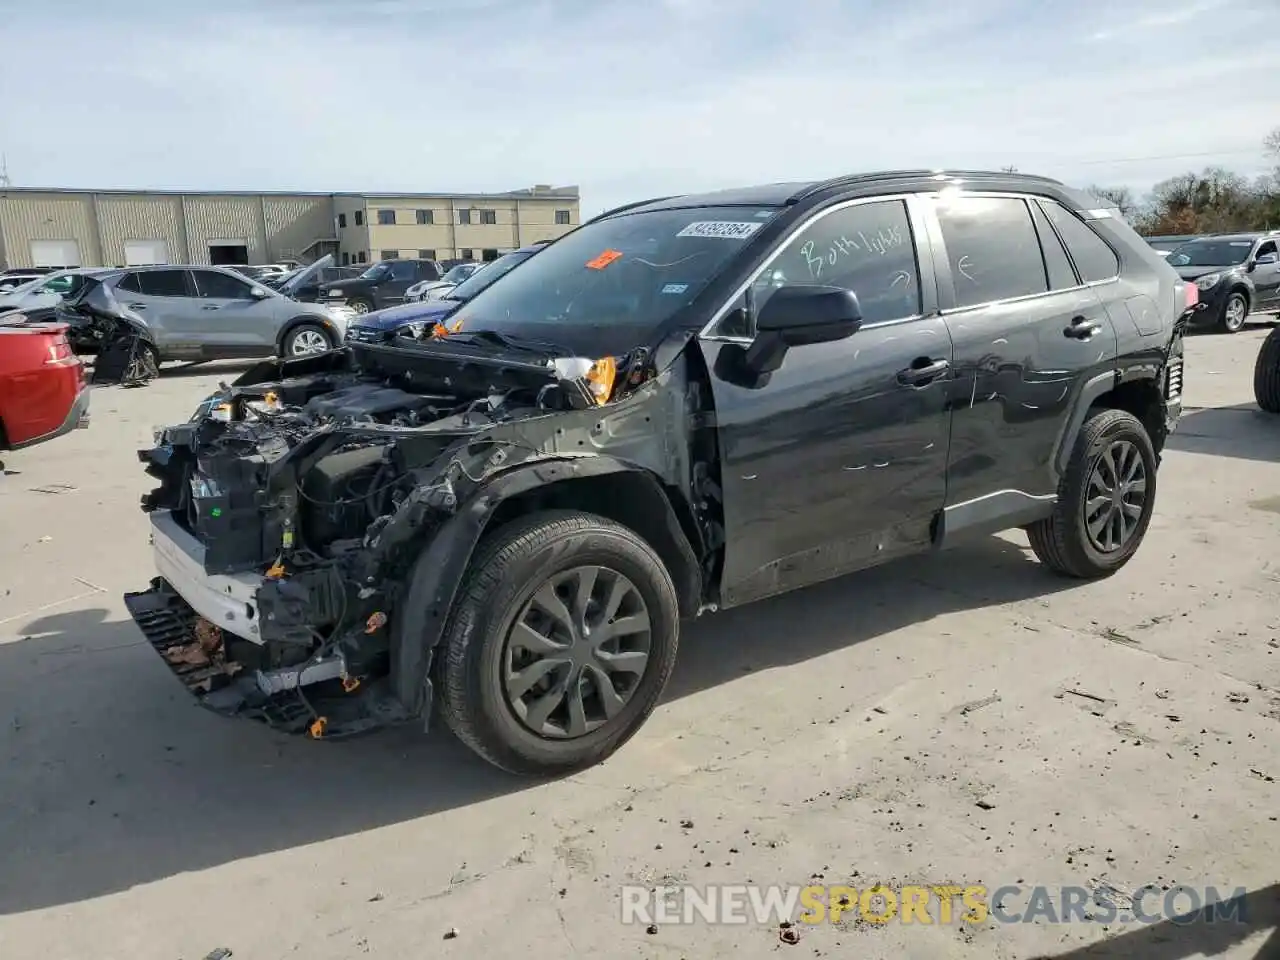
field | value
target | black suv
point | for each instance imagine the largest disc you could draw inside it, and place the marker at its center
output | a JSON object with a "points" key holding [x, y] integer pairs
{"points": [[382, 285], [683, 405], [1236, 274]]}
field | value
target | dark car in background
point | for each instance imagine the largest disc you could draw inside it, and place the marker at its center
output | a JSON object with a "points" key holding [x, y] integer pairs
{"points": [[1236, 275], [371, 326], [382, 285], [309, 291]]}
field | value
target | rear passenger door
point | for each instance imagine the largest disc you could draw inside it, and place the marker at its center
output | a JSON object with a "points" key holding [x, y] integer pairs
{"points": [[234, 322], [165, 301], [1029, 332]]}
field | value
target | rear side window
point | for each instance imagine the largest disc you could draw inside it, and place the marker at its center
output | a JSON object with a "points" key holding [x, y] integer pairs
{"points": [[164, 283], [130, 283], [1094, 259], [1062, 275], [993, 249]]}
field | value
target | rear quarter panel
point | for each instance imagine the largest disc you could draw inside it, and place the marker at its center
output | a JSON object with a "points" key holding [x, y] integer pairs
{"points": [[35, 398]]}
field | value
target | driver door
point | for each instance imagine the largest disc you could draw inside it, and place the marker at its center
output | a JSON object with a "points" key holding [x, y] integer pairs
{"points": [[838, 460], [404, 274], [233, 322]]}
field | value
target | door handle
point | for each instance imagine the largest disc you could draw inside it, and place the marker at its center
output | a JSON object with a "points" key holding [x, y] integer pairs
{"points": [[1081, 328], [923, 370], [138, 306], [210, 308]]}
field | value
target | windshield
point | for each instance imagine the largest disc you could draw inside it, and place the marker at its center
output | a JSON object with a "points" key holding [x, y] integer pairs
{"points": [[376, 272], [460, 273], [1211, 253], [607, 287]]}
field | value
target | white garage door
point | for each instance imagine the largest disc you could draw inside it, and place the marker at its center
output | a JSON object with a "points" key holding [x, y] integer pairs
{"points": [[145, 253], [55, 253]]}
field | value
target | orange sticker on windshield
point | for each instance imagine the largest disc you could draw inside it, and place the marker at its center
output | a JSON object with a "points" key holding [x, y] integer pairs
{"points": [[602, 261]]}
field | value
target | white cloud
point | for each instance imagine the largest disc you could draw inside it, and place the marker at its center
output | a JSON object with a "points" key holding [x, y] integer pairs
{"points": [[626, 99]]}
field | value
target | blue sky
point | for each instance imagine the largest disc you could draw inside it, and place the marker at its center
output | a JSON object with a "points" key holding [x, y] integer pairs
{"points": [[626, 99]]}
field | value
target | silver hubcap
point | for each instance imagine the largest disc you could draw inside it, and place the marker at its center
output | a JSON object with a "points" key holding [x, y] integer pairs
{"points": [[1116, 496], [308, 341], [1235, 313], [576, 653], [359, 306]]}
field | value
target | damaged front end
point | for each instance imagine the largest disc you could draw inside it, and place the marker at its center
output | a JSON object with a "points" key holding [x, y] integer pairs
{"points": [[293, 509]]}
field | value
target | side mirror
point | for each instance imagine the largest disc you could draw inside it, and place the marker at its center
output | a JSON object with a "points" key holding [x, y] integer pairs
{"points": [[800, 316], [1265, 259], [258, 293]]}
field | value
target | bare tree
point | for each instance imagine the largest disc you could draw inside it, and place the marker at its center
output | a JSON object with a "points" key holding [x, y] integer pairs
{"points": [[1121, 198], [1271, 145]]}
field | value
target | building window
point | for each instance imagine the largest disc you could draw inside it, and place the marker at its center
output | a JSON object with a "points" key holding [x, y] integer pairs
{"points": [[387, 218], [426, 254], [425, 217], [488, 256], [346, 259], [464, 216], [360, 257], [389, 255], [359, 218], [562, 216], [466, 253], [342, 220], [488, 216]]}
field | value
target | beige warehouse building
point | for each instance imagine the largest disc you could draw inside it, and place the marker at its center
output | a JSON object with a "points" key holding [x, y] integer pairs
{"points": [[56, 228]]}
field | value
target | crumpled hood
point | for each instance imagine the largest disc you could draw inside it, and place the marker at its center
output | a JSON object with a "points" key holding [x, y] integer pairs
{"points": [[429, 312]]}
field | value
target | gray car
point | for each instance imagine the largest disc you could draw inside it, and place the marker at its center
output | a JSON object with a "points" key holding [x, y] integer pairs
{"points": [[37, 297], [211, 313]]}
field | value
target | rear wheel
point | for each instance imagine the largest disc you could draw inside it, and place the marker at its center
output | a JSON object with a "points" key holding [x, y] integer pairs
{"points": [[360, 305], [1105, 499], [1266, 373], [559, 645], [1234, 312]]}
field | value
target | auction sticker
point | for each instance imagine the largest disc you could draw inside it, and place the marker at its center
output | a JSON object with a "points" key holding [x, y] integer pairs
{"points": [[725, 229]]}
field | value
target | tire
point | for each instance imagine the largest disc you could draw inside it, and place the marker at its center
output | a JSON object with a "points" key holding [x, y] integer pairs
{"points": [[1063, 541], [295, 341], [1266, 373], [361, 305], [511, 565], [1234, 312]]}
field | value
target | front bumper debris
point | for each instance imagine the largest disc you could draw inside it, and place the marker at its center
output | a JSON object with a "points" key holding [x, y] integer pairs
{"points": [[221, 670]]}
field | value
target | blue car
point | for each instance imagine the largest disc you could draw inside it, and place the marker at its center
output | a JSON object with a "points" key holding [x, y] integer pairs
{"points": [[373, 325]]}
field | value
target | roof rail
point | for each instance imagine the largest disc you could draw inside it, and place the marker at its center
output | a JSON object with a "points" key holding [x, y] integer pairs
{"points": [[849, 179], [626, 206]]}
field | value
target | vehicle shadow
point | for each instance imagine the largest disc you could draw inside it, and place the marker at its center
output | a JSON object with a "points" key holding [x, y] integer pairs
{"points": [[1204, 933], [1242, 431], [114, 777], [199, 368]]}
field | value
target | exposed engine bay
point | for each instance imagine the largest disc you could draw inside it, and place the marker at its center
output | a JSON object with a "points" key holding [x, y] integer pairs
{"points": [[294, 507]]}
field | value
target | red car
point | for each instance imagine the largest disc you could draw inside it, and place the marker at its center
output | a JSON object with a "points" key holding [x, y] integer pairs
{"points": [[43, 389]]}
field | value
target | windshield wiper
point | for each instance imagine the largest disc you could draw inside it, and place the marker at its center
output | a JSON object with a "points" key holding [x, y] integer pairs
{"points": [[542, 347]]}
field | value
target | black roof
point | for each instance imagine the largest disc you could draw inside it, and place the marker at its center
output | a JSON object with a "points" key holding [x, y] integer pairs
{"points": [[780, 194]]}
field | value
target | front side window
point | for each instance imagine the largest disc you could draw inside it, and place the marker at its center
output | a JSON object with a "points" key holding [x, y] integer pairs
{"points": [[1211, 253], [404, 270], [1093, 257], [608, 286], [866, 248], [992, 248], [220, 286], [1267, 248]]}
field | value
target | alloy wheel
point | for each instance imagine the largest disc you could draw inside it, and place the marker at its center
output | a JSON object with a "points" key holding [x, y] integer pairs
{"points": [[577, 652], [359, 306], [1116, 496], [1233, 318], [308, 341]]}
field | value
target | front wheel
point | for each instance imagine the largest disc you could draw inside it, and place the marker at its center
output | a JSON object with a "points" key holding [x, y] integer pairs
{"points": [[1234, 312], [361, 306], [559, 645], [1105, 499], [305, 339], [1266, 373]]}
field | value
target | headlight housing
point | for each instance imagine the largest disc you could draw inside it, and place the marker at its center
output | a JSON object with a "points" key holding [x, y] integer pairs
{"points": [[1208, 281]]}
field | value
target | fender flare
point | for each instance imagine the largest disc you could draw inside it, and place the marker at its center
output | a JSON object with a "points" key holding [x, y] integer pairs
{"points": [[1093, 388], [433, 582], [299, 320]]}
